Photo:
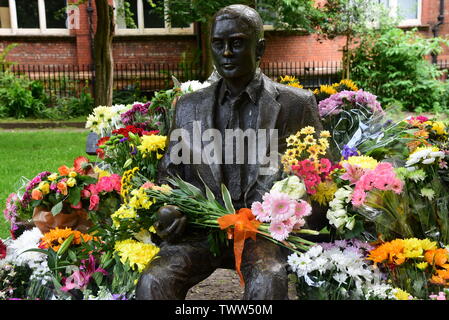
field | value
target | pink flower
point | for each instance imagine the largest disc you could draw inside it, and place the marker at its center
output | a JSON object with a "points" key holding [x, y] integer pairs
{"points": [[94, 201], [77, 206], [109, 183], [85, 193], [259, 212], [279, 230], [302, 209], [325, 165], [81, 277], [397, 185], [358, 197], [353, 173], [282, 206]]}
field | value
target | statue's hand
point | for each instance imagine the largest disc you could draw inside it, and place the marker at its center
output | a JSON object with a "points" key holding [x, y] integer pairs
{"points": [[170, 223]]}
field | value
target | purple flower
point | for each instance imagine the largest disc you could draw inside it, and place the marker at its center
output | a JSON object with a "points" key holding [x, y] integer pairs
{"points": [[81, 277], [123, 139], [352, 99], [349, 152]]}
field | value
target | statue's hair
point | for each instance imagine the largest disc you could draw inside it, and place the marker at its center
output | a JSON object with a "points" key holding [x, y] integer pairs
{"points": [[247, 14]]}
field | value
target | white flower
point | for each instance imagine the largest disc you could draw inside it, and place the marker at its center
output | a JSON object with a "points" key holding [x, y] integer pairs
{"points": [[428, 161], [340, 278], [429, 193], [193, 85], [292, 186]]}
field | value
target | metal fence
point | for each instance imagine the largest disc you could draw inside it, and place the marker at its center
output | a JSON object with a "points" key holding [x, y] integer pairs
{"points": [[69, 80]]}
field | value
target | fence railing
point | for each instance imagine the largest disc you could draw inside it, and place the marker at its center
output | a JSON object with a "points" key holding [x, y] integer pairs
{"points": [[69, 80]]}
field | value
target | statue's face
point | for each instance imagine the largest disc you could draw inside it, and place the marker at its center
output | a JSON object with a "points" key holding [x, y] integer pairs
{"points": [[234, 48]]}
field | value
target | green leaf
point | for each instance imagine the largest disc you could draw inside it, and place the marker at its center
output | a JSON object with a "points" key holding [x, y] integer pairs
{"points": [[127, 163], [65, 245], [98, 277], [209, 194], [56, 208], [227, 199], [74, 196]]}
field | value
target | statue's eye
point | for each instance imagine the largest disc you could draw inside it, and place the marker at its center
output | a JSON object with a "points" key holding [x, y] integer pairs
{"points": [[237, 43], [217, 44]]}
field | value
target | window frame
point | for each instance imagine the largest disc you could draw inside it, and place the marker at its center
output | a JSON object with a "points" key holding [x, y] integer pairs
{"points": [[41, 31], [141, 30], [393, 9]]}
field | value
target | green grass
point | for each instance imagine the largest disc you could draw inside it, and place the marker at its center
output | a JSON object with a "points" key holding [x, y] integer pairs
{"points": [[15, 120], [29, 152]]}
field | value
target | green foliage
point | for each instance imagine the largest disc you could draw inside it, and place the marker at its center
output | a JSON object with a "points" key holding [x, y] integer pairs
{"points": [[129, 95], [392, 65], [285, 14], [20, 97]]}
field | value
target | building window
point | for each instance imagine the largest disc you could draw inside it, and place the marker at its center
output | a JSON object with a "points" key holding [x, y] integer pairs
{"points": [[145, 19], [408, 11], [34, 17]]}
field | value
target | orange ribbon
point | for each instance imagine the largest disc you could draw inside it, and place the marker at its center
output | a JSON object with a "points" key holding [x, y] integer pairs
{"points": [[245, 226]]}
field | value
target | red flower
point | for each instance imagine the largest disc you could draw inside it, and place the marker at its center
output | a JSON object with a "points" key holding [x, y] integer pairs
{"points": [[100, 153], [81, 165], [102, 141], [2, 250]]}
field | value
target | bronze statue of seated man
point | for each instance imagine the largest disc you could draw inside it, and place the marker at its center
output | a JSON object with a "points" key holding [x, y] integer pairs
{"points": [[243, 98]]}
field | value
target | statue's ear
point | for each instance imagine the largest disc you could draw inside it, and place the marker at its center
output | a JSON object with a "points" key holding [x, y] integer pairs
{"points": [[260, 49]]}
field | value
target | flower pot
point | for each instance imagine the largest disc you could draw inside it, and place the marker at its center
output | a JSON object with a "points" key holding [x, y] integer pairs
{"points": [[76, 219]]}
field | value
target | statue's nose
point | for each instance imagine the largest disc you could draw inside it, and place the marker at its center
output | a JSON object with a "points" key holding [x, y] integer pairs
{"points": [[227, 50]]}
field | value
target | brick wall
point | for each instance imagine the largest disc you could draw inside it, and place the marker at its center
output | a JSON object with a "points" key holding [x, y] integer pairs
{"points": [[76, 48]]}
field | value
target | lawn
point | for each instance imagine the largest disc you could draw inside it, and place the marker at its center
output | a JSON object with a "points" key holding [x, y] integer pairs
{"points": [[25, 153]]}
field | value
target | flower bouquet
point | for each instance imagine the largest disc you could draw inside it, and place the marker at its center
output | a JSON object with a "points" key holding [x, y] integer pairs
{"points": [[60, 199], [339, 271], [418, 267]]}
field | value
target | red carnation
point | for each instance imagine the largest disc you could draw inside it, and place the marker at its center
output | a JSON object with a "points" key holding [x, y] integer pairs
{"points": [[2, 250], [102, 141]]}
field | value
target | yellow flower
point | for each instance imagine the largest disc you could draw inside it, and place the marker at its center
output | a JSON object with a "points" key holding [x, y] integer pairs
{"points": [[44, 187], [364, 162], [348, 84], [53, 177], [310, 140], [136, 254], [152, 143], [438, 127], [307, 130], [72, 174], [325, 134], [292, 140], [124, 212], [71, 182], [323, 142], [401, 294], [325, 192], [422, 265], [412, 248], [328, 89], [101, 173], [426, 244]]}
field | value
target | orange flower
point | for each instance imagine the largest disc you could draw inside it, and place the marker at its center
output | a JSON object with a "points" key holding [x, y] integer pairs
{"points": [[55, 237], [36, 194], [64, 170], [437, 257], [437, 280], [62, 186], [392, 251]]}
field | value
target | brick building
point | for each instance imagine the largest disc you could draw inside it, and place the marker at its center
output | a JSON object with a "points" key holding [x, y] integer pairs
{"points": [[45, 39]]}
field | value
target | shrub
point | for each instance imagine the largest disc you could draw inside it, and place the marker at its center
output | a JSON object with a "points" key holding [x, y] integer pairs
{"points": [[20, 97], [392, 65]]}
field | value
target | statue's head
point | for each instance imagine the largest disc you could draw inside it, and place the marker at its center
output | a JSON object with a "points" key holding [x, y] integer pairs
{"points": [[237, 41]]}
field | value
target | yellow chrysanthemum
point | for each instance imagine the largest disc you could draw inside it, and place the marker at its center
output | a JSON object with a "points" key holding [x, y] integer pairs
{"points": [[136, 254], [437, 126], [325, 192], [101, 173], [139, 199], [124, 212], [152, 143], [364, 162], [325, 134], [401, 294], [412, 248]]}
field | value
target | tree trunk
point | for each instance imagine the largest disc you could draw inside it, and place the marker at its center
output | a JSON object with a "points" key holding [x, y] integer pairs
{"points": [[207, 62], [103, 53]]}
